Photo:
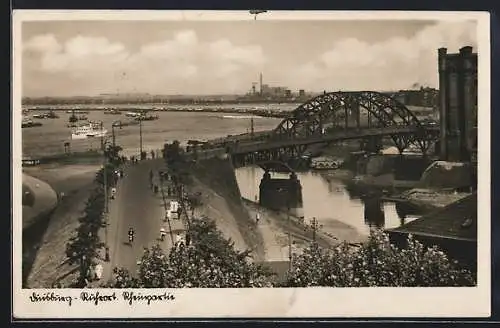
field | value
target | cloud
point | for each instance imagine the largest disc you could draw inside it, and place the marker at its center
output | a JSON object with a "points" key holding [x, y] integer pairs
{"points": [[46, 43], [166, 66], [185, 64], [394, 63]]}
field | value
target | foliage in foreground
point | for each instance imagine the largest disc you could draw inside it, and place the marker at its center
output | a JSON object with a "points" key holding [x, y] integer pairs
{"points": [[377, 263], [210, 261]]}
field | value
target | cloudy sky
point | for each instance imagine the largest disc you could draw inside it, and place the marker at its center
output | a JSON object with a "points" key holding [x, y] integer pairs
{"points": [[65, 58]]}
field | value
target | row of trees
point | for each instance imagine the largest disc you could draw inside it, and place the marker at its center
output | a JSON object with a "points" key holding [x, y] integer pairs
{"points": [[83, 248], [210, 260]]}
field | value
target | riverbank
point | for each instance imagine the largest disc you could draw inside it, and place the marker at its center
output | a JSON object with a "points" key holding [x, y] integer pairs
{"points": [[330, 231], [214, 178], [73, 183], [39, 202], [41, 199]]}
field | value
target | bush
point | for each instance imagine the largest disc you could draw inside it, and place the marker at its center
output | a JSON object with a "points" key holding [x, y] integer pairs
{"points": [[209, 261], [377, 263]]}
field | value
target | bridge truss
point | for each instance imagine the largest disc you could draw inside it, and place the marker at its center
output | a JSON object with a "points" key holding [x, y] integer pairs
{"points": [[334, 111]]}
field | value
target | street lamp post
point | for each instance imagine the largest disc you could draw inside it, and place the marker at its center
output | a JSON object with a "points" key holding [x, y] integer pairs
{"points": [[140, 137], [314, 226], [113, 135]]}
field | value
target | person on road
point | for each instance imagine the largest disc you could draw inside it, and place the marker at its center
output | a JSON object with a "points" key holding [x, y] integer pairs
{"points": [[257, 217], [178, 239], [131, 234], [163, 233], [98, 271], [113, 193]]}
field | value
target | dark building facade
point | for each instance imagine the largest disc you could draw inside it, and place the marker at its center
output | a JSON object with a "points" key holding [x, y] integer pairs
{"points": [[458, 105], [424, 97]]}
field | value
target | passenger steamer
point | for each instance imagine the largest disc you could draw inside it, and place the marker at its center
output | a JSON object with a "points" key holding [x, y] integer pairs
{"points": [[91, 130]]}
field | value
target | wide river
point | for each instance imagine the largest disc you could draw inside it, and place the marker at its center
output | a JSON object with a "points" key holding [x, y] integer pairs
{"points": [[322, 199]]}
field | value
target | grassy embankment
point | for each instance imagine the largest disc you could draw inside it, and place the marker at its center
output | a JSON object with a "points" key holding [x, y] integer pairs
{"points": [[38, 202], [48, 258], [216, 177]]}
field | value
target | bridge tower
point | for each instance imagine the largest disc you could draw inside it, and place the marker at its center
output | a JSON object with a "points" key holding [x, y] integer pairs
{"points": [[458, 105]]}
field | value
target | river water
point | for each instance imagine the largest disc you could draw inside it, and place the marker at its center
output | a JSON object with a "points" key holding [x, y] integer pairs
{"points": [[323, 199], [329, 199]]}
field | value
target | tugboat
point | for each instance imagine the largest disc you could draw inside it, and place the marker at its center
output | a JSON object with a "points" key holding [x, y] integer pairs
{"points": [[145, 117], [51, 114], [27, 123]]}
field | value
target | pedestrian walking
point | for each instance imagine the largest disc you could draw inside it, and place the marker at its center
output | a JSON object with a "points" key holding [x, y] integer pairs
{"points": [[113, 193], [98, 271], [178, 239], [257, 217], [163, 233]]}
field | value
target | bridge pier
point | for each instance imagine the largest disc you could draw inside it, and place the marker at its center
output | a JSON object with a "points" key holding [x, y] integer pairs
{"points": [[281, 194], [372, 144]]}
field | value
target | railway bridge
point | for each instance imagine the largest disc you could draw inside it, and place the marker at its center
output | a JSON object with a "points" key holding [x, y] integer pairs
{"points": [[367, 116]]}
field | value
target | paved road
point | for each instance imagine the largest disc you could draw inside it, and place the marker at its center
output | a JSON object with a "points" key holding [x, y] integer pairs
{"points": [[137, 207]]}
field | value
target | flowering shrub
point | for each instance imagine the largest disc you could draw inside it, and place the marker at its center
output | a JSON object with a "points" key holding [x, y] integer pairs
{"points": [[209, 261], [377, 263]]}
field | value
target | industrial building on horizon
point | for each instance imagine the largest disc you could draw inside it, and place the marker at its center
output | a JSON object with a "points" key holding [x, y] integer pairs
{"points": [[278, 93]]}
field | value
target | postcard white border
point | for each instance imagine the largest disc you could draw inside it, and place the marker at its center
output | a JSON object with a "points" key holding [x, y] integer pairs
{"points": [[299, 302]]}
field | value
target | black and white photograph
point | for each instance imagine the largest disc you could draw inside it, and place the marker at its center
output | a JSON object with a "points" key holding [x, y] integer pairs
{"points": [[248, 153]]}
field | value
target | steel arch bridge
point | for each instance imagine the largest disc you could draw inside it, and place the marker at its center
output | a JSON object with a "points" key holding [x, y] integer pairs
{"points": [[336, 111]]}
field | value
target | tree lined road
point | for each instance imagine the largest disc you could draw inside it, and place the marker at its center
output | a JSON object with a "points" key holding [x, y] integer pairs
{"points": [[135, 206]]}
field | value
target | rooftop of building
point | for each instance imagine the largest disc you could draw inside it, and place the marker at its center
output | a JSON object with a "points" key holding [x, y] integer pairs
{"points": [[456, 221]]}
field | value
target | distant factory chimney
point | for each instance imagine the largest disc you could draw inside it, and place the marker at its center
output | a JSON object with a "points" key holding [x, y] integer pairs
{"points": [[260, 92]]}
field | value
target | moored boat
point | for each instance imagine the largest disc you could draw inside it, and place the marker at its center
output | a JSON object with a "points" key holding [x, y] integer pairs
{"points": [[91, 130]]}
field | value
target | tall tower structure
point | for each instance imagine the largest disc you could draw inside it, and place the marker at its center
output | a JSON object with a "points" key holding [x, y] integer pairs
{"points": [[260, 81], [458, 105]]}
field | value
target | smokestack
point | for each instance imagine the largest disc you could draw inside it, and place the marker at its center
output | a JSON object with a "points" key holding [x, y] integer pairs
{"points": [[261, 84]]}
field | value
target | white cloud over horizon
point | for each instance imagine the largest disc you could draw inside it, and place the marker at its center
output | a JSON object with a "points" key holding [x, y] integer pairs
{"points": [[395, 63], [186, 64]]}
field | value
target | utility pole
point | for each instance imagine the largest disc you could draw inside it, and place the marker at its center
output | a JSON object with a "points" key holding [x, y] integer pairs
{"points": [[251, 127], [289, 236], [140, 137], [101, 124], [314, 226], [113, 135]]}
